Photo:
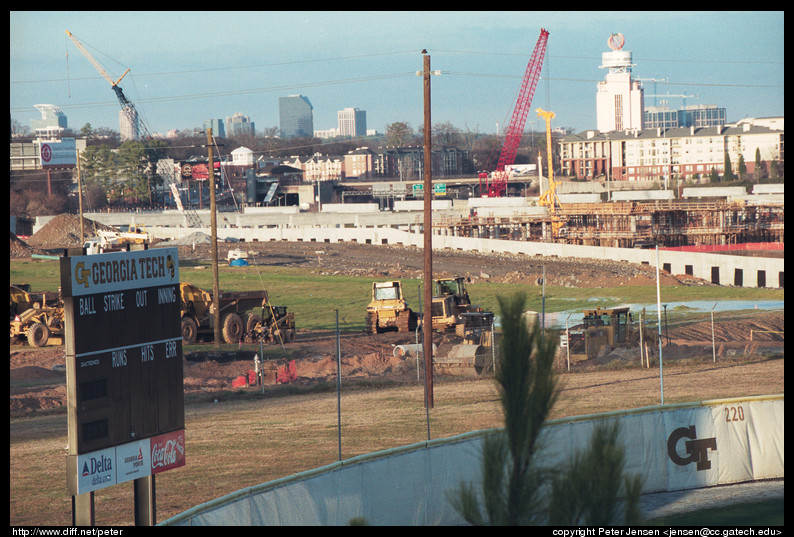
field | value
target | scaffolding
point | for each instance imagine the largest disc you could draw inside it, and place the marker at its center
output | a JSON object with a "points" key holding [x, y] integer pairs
{"points": [[633, 224]]}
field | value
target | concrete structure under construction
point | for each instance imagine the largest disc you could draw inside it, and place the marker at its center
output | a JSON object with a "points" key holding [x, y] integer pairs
{"points": [[688, 233]]}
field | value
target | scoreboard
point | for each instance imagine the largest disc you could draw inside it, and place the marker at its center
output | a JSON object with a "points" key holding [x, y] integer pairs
{"points": [[123, 354]]}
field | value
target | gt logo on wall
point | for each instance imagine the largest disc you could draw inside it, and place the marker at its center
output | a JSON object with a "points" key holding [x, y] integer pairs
{"points": [[695, 448]]}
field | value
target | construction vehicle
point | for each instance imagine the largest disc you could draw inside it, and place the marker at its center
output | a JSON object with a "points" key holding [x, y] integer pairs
{"points": [[548, 198], [494, 184], [388, 309], [450, 302], [475, 355], [244, 315], [114, 241], [452, 311], [605, 329], [36, 318]]}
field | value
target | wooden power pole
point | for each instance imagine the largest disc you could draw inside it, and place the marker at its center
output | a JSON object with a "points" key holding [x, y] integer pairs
{"points": [[216, 318], [427, 315]]}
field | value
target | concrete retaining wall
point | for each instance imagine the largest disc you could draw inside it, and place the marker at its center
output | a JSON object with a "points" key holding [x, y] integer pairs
{"points": [[403, 227], [716, 268]]}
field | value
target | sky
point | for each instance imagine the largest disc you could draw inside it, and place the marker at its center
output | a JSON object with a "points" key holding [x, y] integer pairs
{"points": [[187, 67]]}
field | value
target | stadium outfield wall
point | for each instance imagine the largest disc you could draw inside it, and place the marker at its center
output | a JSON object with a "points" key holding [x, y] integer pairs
{"points": [[672, 447], [742, 271]]}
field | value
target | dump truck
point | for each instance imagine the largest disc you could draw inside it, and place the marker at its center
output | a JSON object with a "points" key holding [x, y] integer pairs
{"points": [[388, 309], [244, 315], [603, 328]]}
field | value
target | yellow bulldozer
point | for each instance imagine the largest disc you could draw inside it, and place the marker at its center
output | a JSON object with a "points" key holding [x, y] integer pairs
{"points": [[450, 303], [245, 316], [388, 309], [603, 328]]}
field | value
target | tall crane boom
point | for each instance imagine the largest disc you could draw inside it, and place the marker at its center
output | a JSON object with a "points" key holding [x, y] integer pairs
{"points": [[126, 105], [134, 118], [548, 198], [515, 130], [93, 61]]}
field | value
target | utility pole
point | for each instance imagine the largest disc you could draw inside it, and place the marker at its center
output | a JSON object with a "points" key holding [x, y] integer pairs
{"points": [[80, 200], [427, 315], [214, 227]]}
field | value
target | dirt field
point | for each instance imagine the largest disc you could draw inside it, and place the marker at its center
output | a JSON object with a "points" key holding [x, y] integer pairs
{"points": [[37, 376]]}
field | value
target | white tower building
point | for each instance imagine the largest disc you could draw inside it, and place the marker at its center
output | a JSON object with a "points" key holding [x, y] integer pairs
{"points": [[619, 99], [128, 124]]}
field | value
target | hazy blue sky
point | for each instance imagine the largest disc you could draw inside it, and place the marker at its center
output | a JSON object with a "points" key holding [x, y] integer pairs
{"points": [[190, 66]]}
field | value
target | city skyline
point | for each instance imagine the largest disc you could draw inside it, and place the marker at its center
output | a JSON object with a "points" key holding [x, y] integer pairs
{"points": [[186, 68]]}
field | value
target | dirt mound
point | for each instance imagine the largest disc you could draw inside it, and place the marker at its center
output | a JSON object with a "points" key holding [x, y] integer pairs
{"points": [[63, 231], [20, 248]]}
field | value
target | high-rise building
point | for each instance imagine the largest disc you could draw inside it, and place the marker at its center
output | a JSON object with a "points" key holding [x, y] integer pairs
{"points": [[238, 124], [296, 119], [52, 122], [128, 124], [217, 127], [352, 122], [699, 115], [619, 98]]}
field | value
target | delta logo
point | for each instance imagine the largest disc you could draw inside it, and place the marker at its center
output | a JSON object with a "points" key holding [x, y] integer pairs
{"points": [[101, 465]]}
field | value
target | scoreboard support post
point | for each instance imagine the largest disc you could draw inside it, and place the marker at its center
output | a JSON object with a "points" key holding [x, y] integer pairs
{"points": [[83, 509], [145, 513]]}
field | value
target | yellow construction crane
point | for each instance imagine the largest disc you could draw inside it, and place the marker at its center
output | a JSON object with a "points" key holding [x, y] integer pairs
{"points": [[549, 197], [95, 63]]}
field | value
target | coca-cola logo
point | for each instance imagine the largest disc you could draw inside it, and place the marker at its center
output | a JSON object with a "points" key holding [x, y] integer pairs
{"points": [[168, 453]]}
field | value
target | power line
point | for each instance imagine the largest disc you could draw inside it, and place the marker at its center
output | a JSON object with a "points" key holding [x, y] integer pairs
{"points": [[594, 81], [207, 95], [230, 67], [598, 59]]}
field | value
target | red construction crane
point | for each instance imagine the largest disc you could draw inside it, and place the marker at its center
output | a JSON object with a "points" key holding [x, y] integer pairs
{"points": [[495, 183]]}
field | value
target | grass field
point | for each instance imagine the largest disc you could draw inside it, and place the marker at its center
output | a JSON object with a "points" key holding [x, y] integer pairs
{"points": [[315, 298]]}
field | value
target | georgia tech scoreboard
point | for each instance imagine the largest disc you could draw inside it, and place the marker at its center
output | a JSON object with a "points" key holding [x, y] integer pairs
{"points": [[123, 348]]}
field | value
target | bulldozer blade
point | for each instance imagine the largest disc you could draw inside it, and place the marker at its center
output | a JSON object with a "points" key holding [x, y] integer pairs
{"points": [[464, 360]]}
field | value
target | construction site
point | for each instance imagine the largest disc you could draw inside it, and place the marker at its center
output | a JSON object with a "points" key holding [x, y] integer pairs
{"points": [[632, 224]]}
